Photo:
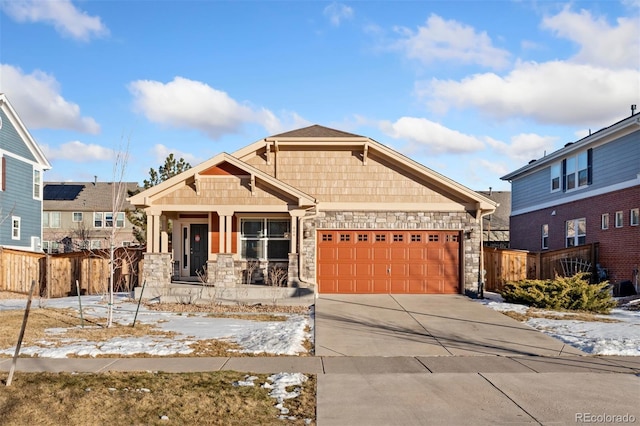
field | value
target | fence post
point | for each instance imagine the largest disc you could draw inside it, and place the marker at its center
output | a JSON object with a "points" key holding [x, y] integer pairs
{"points": [[21, 336]]}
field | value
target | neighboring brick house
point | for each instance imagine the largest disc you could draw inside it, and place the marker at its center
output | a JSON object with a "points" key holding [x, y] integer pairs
{"points": [[78, 215], [496, 225], [586, 192], [22, 167], [345, 213]]}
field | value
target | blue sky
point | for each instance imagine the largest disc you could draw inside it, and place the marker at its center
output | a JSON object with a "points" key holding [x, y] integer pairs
{"points": [[470, 89]]}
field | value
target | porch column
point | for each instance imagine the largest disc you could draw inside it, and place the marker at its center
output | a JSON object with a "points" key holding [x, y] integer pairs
{"points": [[164, 236], [225, 224], [153, 232]]}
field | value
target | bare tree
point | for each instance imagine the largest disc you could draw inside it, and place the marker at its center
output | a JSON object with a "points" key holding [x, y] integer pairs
{"points": [[118, 197], [277, 276]]}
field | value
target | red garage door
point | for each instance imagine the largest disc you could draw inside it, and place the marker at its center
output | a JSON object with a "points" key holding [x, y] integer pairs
{"points": [[351, 261]]}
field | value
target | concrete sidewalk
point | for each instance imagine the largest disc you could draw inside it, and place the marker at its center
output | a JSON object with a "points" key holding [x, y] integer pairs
{"points": [[424, 390]]}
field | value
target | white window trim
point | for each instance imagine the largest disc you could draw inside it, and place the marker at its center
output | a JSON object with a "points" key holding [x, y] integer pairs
{"points": [[619, 219], [73, 217], [634, 217], [604, 221], [263, 238], [15, 220], [555, 167], [576, 171], [101, 219], [37, 184], [545, 236], [576, 237]]}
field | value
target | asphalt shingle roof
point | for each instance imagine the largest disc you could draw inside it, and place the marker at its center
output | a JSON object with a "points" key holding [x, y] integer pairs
{"points": [[82, 196], [316, 131]]}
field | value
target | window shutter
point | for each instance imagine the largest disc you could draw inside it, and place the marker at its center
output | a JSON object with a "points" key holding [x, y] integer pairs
{"points": [[589, 166], [564, 175]]}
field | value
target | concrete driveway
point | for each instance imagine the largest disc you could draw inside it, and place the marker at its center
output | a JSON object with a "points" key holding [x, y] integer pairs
{"points": [[423, 325]]}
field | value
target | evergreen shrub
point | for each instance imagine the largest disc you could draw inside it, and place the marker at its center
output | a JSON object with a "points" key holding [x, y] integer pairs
{"points": [[573, 293]]}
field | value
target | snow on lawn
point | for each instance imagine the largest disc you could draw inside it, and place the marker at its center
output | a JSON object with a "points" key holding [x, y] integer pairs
{"points": [[594, 337], [272, 337]]}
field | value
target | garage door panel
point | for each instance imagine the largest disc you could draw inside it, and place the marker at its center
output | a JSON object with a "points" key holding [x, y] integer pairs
{"points": [[351, 261]]}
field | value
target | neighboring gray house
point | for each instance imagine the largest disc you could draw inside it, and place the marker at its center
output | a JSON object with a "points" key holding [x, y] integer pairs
{"points": [[22, 165], [586, 192], [495, 227], [79, 215]]}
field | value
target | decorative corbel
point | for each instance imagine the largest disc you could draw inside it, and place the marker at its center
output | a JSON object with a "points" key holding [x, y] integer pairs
{"points": [[252, 184], [365, 154], [268, 154], [197, 183]]}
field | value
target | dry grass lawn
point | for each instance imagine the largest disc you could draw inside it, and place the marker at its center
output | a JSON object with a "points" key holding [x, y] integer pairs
{"points": [[148, 399], [576, 316]]}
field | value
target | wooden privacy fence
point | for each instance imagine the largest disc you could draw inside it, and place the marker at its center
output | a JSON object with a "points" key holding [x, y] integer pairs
{"points": [[57, 273], [507, 265]]}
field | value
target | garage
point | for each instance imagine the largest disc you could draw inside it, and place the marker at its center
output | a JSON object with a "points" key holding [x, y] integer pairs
{"points": [[389, 261]]}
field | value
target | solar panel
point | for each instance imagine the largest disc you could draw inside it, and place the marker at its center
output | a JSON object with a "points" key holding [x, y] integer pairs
{"points": [[61, 192]]}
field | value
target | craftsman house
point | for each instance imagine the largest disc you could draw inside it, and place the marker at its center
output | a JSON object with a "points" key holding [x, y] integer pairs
{"points": [[22, 166], [587, 192], [337, 212]]}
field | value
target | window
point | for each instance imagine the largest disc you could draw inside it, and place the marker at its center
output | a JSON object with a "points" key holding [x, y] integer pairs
{"points": [[577, 170], [545, 236], [363, 237], [2, 173], [15, 228], [37, 184], [345, 237], [555, 177], [576, 233], [51, 219], [126, 243], [604, 221], [97, 220], [77, 216], [398, 238], [434, 237], [84, 244], [416, 238], [381, 238], [265, 239], [619, 219], [634, 217], [96, 244], [45, 246], [120, 220], [108, 220], [327, 237]]}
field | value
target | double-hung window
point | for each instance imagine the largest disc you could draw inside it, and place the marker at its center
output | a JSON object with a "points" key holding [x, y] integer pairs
{"points": [[15, 227], [634, 217], [37, 184], [545, 236], [97, 220], [576, 232], [51, 219], [77, 216], [576, 171], [555, 177], [265, 239]]}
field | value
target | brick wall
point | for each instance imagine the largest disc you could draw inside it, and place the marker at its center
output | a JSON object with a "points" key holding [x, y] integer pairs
{"points": [[619, 247]]}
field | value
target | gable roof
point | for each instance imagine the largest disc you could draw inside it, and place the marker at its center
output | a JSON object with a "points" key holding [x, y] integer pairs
{"points": [[145, 197], [607, 134], [315, 131], [19, 126], [82, 196]]}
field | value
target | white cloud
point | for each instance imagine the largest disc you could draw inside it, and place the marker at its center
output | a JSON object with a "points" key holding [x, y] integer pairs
{"points": [[62, 14], [524, 147], [431, 137], [337, 12], [78, 152], [552, 92], [37, 100], [600, 43], [448, 40], [161, 152], [192, 104]]}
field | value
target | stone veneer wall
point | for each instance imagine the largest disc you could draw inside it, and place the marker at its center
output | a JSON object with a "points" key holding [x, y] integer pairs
{"points": [[438, 221], [157, 269]]}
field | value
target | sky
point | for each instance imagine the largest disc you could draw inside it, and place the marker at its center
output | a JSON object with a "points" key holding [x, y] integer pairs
{"points": [[470, 89]]}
